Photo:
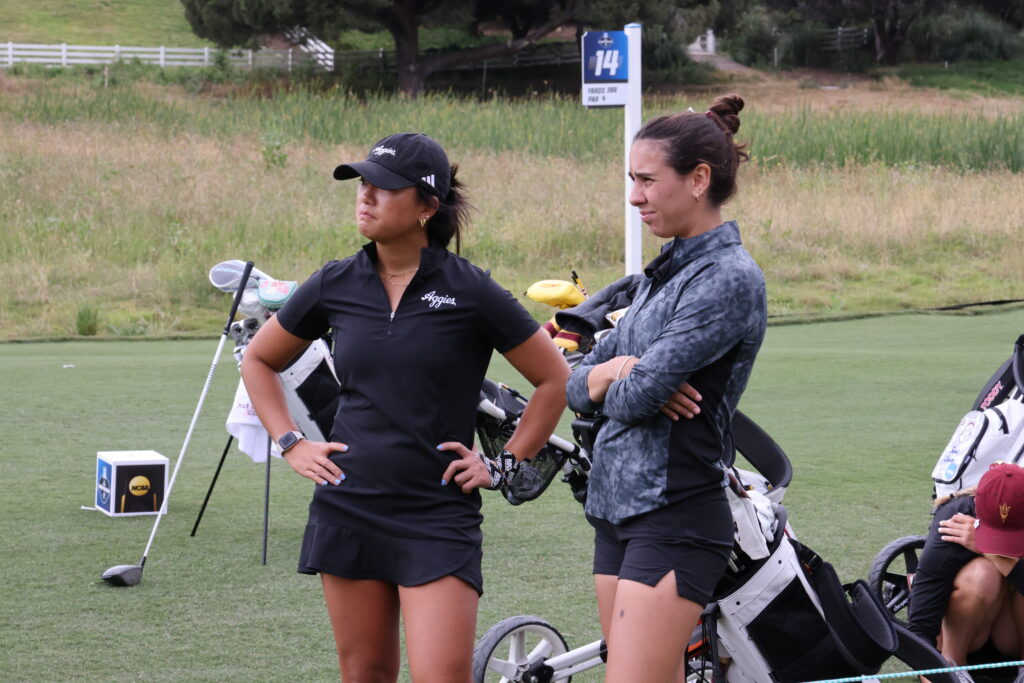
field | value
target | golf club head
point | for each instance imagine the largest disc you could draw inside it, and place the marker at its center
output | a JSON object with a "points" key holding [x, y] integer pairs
{"points": [[123, 575]]}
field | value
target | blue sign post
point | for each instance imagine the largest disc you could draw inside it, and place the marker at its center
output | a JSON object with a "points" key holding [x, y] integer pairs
{"points": [[605, 68], [611, 78]]}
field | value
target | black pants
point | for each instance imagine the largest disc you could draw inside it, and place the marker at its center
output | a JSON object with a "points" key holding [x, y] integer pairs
{"points": [[939, 564]]}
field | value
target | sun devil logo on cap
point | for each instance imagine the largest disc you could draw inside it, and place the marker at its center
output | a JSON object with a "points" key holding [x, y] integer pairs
{"points": [[429, 180], [383, 150], [1004, 512]]}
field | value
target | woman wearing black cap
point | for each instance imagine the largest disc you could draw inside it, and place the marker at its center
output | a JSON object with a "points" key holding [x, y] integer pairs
{"points": [[394, 525], [663, 530]]}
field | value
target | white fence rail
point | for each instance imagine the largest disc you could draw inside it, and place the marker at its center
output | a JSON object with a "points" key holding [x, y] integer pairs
{"points": [[313, 53], [845, 38], [72, 55]]}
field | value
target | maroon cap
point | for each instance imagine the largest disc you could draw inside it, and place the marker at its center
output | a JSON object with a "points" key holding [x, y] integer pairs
{"points": [[999, 506]]}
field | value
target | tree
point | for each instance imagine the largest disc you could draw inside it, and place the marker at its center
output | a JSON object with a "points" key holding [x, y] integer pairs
{"points": [[890, 19], [232, 23]]}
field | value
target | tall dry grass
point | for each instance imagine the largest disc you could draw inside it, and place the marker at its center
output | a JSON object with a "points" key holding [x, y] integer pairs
{"points": [[129, 221]]}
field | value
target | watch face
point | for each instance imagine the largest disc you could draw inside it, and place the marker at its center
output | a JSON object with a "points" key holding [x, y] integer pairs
{"points": [[288, 440]]}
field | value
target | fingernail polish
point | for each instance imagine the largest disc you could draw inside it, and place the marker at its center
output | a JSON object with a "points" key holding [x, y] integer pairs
{"points": [[344, 449], [337, 481], [438, 446], [444, 482], [322, 483], [342, 476]]}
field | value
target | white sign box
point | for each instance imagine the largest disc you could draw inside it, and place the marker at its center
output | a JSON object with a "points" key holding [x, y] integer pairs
{"points": [[130, 482]]}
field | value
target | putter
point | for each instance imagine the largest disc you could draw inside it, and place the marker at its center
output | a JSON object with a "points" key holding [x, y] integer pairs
{"points": [[131, 574]]}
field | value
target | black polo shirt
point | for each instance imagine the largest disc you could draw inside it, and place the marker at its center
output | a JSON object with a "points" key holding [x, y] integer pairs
{"points": [[410, 380]]}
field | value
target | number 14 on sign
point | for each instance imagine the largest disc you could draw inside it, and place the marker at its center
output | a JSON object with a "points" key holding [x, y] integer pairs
{"points": [[606, 60]]}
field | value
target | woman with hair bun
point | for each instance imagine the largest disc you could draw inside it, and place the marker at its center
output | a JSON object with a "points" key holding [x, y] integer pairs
{"points": [[394, 525], [656, 498]]}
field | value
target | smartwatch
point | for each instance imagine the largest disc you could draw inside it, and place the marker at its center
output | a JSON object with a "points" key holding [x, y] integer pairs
{"points": [[289, 439]]}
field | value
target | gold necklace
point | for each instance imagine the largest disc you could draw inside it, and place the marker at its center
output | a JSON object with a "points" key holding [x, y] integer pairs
{"points": [[391, 277]]}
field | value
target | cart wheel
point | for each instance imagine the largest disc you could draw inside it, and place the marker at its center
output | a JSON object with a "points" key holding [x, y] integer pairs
{"points": [[892, 572], [515, 647]]}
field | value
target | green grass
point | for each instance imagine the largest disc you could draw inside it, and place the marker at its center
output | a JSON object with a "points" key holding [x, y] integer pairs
{"points": [[151, 185], [862, 407], [98, 22], [985, 78], [545, 125]]}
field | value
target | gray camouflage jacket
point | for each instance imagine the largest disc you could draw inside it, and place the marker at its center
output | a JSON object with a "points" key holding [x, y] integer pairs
{"points": [[699, 317]]}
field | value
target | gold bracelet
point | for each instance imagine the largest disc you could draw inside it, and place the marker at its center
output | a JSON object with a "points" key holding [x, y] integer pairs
{"points": [[619, 372]]}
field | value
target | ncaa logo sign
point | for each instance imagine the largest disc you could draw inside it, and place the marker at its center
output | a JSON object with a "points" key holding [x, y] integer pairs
{"points": [[139, 486]]}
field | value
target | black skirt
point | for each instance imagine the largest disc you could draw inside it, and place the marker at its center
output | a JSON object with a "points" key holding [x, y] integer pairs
{"points": [[406, 562]]}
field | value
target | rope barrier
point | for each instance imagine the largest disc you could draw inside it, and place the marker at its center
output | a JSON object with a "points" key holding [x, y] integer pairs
{"points": [[923, 672]]}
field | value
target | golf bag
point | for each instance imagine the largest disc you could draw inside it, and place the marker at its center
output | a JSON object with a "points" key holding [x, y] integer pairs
{"points": [[310, 385], [787, 618], [992, 431]]}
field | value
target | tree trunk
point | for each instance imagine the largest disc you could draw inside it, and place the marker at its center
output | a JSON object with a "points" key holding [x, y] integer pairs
{"points": [[405, 31], [403, 24], [885, 44], [892, 20]]}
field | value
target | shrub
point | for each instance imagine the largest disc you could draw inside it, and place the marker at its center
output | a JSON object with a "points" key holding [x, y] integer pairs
{"points": [[666, 61], [87, 321], [802, 46], [957, 36], [754, 40]]}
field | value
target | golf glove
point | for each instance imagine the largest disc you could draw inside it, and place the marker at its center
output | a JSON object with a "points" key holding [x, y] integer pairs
{"points": [[502, 471]]}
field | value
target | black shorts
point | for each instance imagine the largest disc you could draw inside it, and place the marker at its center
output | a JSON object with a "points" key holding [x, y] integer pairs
{"points": [[402, 561], [693, 538]]}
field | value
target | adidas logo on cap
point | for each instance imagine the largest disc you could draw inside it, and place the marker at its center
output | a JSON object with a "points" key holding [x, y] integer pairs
{"points": [[429, 180]]}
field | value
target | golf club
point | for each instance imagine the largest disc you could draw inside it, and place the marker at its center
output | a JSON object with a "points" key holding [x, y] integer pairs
{"points": [[131, 574]]}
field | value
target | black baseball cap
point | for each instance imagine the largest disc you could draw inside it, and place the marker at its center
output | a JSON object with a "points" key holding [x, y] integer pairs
{"points": [[402, 160]]}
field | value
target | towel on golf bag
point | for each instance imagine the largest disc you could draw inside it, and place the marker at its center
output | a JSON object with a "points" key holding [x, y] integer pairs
{"points": [[247, 429], [753, 518], [311, 393], [792, 619]]}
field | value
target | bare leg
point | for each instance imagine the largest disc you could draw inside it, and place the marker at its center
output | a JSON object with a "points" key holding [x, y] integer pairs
{"points": [[978, 591], [604, 588], [440, 626], [1008, 623], [650, 628], [364, 616]]}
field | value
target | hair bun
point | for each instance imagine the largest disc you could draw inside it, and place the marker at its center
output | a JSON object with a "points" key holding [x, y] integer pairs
{"points": [[727, 109]]}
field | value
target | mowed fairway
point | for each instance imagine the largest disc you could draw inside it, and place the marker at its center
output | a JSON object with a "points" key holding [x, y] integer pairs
{"points": [[862, 407]]}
